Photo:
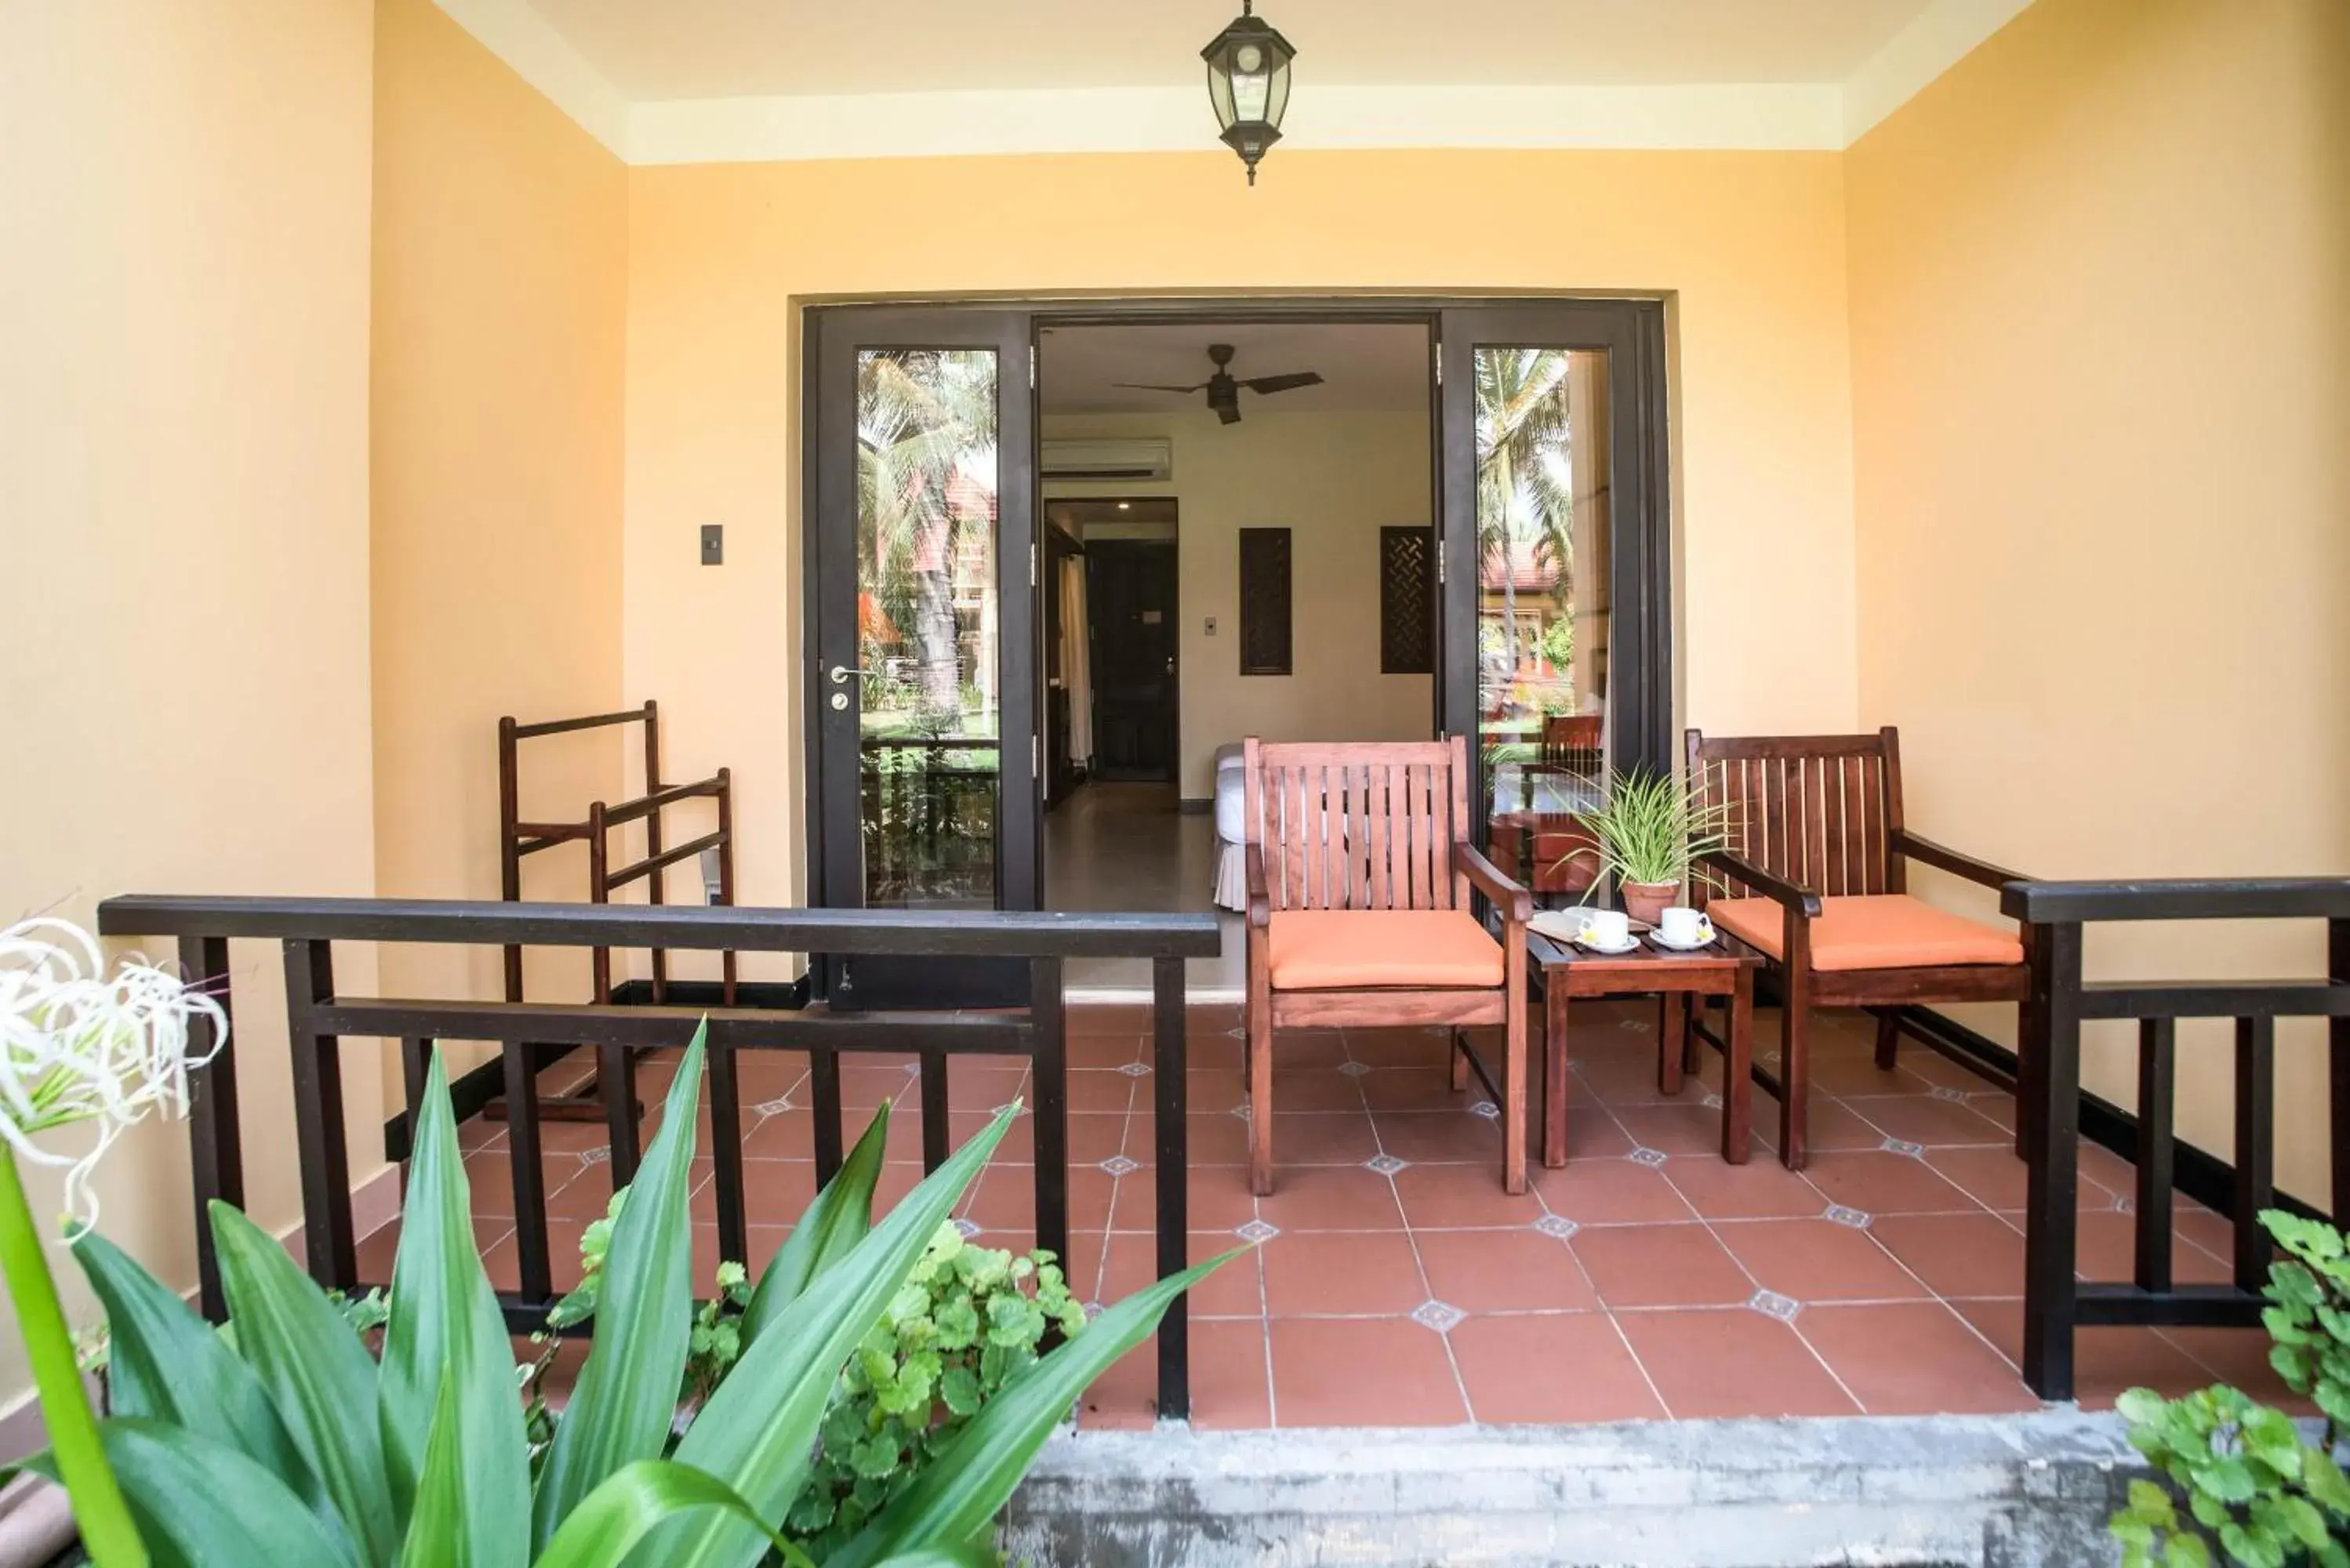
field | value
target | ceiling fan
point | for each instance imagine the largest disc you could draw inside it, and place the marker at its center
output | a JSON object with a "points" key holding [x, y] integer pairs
{"points": [[1223, 388]]}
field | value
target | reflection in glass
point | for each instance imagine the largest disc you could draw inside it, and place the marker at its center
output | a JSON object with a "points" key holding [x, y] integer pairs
{"points": [[926, 625], [1542, 604]]}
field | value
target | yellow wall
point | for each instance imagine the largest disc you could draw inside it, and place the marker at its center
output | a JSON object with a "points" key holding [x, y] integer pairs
{"points": [[1333, 479], [500, 266], [1751, 247], [2101, 381], [183, 383]]}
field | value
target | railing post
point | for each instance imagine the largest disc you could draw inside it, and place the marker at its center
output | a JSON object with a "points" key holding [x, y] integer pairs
{"points": [[2053, 1155], [2255, 1146], [2337, 1028], [415, 1067], [1050, 1072], [727, 1150], [318, 1063], [2157, 1149], [536, 1275], [935, 1126], [1170, 1112], [215, 1143], [823, 1085]]}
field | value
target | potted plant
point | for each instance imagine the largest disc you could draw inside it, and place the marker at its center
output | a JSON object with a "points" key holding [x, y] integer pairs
{"points": [[1647, 835]]}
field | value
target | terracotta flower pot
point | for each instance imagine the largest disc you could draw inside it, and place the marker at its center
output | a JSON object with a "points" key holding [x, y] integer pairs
{"points": [[1648, 901]]}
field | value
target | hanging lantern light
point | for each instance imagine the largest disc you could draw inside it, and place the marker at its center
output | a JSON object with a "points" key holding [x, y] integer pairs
{"points": [[1248, 83]]}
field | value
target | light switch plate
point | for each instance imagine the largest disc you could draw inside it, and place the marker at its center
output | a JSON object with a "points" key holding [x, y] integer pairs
{"points": [[1211, 626], [713, 544]]}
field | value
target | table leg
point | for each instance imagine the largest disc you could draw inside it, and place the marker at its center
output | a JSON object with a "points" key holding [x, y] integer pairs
{"points": [[1738, 1072], [1553, 1150], [1672, 1030]]}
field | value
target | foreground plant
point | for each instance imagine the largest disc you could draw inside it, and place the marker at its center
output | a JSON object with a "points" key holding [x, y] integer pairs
{"points": [[292, 1445], [80, 1047], [2252, 1486]]}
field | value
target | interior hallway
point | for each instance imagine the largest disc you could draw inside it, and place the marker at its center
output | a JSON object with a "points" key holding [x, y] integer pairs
{"points": [[1128, 847]]}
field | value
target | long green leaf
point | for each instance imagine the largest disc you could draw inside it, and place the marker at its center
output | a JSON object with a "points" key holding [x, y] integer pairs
{"points": [[758, 1431], [970, 1480], [316, 1373], [973, 1556], [201, 1504], [169, 1365], [446, 1356], [635, 1500], [839, 1217], [625, 1398]]}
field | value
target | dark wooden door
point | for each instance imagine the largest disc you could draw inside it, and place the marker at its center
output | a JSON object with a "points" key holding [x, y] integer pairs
{"points": [[1130, 605]]}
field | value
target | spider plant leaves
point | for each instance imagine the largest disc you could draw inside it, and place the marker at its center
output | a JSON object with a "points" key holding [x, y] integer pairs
{"points": [[316, 1372], [635, 1500], [758, 1432], [968, 1483], [625, 1398], [200, 1503], [840, 1217], [168, 1367], [446, 1392]]}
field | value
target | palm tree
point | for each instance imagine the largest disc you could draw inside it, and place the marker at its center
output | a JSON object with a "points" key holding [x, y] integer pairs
{"points": [[1525, 474]]}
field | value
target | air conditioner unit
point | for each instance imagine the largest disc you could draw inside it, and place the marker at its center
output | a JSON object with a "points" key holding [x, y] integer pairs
{"points": [[1097, 462]]}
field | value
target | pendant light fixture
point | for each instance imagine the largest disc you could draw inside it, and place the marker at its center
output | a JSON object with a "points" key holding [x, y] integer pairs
{"points": [[1248, 84]]}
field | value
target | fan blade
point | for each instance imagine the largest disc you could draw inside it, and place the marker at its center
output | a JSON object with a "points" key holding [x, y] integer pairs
{"points": [[1155, 387], [1228, 413], [1283, 383]]}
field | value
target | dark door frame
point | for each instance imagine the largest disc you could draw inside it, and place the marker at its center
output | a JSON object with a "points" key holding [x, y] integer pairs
{"points": [[1632, 329]]}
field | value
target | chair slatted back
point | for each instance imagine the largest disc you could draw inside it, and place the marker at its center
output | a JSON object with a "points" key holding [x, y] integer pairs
{"points": [[1358, 825], [1817, 810]]}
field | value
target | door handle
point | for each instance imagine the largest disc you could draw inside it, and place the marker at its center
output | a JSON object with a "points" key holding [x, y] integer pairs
{"points": [[841, 672]]}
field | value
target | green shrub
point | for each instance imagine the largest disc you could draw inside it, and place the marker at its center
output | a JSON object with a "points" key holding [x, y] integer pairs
{"points": [[288, 1442], [2252, 1486]]}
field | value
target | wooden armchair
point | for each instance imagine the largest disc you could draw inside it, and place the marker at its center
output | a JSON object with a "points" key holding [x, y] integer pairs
{"points": [[1359, 879], [1816, 867]]}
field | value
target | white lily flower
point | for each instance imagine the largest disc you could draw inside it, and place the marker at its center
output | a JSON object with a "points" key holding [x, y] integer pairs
{"points": [[79, 1045]]}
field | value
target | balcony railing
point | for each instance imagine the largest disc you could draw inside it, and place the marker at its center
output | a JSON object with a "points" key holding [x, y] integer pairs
{"points": [[320, 1014], [2056, 1302]]}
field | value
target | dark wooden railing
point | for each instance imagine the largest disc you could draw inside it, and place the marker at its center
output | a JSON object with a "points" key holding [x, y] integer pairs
{"points": [[2049, 1100], [319, 1015]]}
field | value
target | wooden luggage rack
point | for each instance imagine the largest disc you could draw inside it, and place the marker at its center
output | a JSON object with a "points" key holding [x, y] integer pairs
{"points": [[518, 839]]}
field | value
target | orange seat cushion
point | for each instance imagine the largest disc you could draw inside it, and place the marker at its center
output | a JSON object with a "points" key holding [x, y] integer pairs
{"points": [[1882, 931], [1333, 949]]}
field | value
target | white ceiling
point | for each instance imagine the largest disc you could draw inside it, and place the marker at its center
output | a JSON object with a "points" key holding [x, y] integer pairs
{"points": [[687, 81], [731, 48], [1363, 367]]}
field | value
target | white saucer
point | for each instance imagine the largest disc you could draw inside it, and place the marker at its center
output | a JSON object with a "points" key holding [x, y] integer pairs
{"points": [[1658, 937], [1630, 944]]}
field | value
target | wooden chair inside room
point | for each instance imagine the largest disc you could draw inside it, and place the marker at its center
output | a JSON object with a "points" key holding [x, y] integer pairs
{"points": [[1816, 880], [1360, 914]]}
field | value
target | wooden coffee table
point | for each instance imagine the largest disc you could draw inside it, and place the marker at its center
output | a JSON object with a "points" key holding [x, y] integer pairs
{"points": [[1724, 968]]}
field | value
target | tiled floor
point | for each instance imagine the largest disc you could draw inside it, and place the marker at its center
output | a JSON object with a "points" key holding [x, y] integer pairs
{"points": [[1394, 1283]]}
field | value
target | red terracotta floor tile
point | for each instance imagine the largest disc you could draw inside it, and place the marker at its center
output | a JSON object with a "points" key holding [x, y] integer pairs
{"points": [[1598, 1191], [1678, 1127], [1397, 1047], [1236, 1289], [1097, 1089], [1321, 1137], [1230, 1387], [1220, 1196], [1876, 1182], [1295, 1049], [1439, 1137], [1410, 1089], [1994, 1177], [1592, 1133], [1551, 1369], [1761, 1188], [1958, 1255], [1817, 1260], [1502, 1271], [1341, 1273], [1661, 1265], [1331, 1198], [1105, 1050], [2240, 1356], [2106, 1362], [1313, 1089], [1385, 1372], [1215, 1138], [1915, 1358], [1460, 1196], [1919, 1118], [2107, 1250], [1731, 1362]]}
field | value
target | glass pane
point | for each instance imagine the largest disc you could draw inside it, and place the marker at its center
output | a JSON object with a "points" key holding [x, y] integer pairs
{"points": [[1542, 606], [926, 625]]}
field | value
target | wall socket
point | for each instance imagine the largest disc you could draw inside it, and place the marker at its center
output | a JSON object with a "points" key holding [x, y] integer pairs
{"points": [[1210, 630], [714, 545]]}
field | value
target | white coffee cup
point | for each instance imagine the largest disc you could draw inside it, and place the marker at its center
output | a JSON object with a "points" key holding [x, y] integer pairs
{"points": [[1684, 927], [1606, 927]]}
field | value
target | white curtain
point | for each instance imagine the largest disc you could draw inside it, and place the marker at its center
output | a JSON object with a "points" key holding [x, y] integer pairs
{"points": [[1077, 673]]}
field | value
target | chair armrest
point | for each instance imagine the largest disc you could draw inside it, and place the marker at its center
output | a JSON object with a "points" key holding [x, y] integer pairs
{"points": [[1777, 889], [1260, 897], [1517, 905], [1942, 858]]}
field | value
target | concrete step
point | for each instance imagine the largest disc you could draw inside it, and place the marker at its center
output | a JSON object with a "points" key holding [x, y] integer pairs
{"points": [[1959, 1491]]}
